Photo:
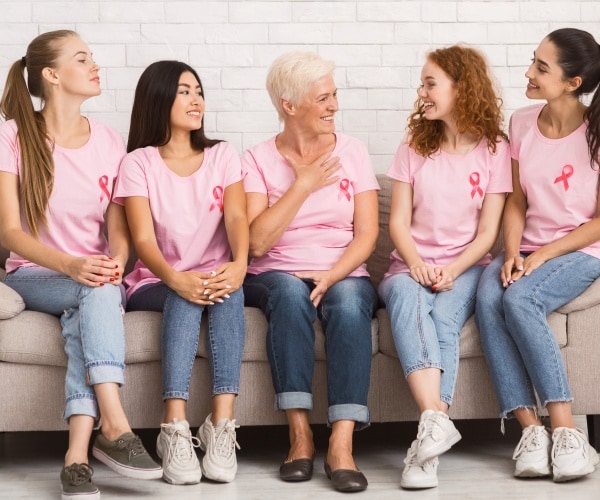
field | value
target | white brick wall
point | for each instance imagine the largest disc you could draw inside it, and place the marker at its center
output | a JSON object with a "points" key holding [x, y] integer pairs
{"points": [[378, 47]]}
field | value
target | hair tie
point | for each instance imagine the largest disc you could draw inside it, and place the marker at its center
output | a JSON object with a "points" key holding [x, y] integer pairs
{"points": [[24, 60]]}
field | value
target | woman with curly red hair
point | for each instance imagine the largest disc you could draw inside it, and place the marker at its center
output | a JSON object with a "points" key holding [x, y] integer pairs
{"points": [[451, 175]]}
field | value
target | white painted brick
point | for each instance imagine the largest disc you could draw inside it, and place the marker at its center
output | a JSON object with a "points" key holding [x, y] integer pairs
{"points": [[17, 34], [198, 12], [518, 55], [451, 33], [16, 12], [143, 55], [300, 33], [488, 11], [118, 121], [439, 12], [211, 77], [131, 12], [222, 55], [173, 33], [109, 55], [384, 142], [393, 121], [550, 11], [386, 99], [519, 32], [409, 97], [223, 100], [362, 121], [122, 78], [389, 11], [517, 78], [352, 55], [243, 78], [260, 12], [256, 100], [259, 121], [235, 139], [403, 55], [210, 124], [264, 55], [105, 102], [590, 11], [495, 55], [353, 99], [590, 26], [237, 33], [109, 33], [323, 11], [363, 33], [377, 77], [124, 100], [412, 33], [253, 138], [381, 163], [65, 12]]}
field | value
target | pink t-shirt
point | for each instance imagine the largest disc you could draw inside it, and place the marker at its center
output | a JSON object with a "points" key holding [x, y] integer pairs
{"points": [[448, 192], [324, 226], [83, 184], [187, 211], [556, 176]]}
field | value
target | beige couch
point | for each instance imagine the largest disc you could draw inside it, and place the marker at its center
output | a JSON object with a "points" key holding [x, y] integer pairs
{"points": [[32, 364]]}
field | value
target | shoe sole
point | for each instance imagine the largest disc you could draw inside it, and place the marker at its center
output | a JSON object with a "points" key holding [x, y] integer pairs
{"points": [[123, 470], [530, 472], [418, 485], [439, 449], [561, 477], [82, 496], [176, 481], [219, 475]]}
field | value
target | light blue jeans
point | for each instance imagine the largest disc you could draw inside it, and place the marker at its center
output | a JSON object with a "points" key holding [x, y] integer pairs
{"points": [[426, 325], [180, 334], [92, 327], [521, 349], [346, 311]]}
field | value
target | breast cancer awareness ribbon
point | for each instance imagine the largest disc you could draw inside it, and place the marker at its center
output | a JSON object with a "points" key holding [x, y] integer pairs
{"points": [[567, 171], [218, 196], [474, 180], [344, 185], [103, 183]]}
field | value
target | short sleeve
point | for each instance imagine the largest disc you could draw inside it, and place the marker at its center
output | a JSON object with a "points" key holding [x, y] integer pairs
{"points": [[399, 169], [131, 180], [501, 171], [9, 148], [254, 181]]}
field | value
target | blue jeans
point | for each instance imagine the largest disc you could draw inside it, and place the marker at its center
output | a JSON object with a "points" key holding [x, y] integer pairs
{"points": [[345, 311], [180, 333], [92, 327], [426, 325], [521, 349]]}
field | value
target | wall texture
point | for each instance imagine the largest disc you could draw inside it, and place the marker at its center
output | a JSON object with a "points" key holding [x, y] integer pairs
{"points": [[378, 46]]}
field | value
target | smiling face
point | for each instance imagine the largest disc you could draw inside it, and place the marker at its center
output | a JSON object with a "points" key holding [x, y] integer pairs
{"points": [[188, 107], [437, 91], [75, 71], [317, 109], [546, 77]]}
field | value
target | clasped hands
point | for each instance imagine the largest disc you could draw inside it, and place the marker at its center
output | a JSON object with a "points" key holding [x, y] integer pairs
{"points": [[206, 288]]}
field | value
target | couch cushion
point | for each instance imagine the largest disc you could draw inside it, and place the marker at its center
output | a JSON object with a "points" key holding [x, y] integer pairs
{"points": [[11, 302], [379, 261], [470, 345]]}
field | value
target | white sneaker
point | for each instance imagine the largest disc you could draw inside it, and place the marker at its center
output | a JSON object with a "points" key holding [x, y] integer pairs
{"points": [[436, 435], [175, 445], [533, 452], [415, 476], [219, 444], [572, 455]]}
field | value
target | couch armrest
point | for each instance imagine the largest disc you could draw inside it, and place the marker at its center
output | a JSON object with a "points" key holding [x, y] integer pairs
{"points": [[587, 299], [11, 302]]}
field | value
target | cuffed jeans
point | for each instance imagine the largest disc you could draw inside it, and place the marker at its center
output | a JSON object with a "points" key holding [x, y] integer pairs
{"points": [[345, 311], [92, 327], [521, 349], [180, 334], [426, 325]]}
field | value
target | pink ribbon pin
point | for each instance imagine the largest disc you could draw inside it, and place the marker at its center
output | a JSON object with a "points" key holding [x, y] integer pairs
{"points": [[567, 171], [103, 183], [344, 185], [218, 196], [474, 180]]}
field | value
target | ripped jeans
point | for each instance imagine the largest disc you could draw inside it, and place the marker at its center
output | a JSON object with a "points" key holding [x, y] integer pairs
{"points": [[92, 327]]}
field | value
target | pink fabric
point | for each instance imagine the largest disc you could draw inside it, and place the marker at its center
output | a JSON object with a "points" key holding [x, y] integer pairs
{"points": [[556, 176], [83, 183], [448, 192], [187, 211], [323, 227]]}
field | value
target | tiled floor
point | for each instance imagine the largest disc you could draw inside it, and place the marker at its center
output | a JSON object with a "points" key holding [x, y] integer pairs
{"points": [[479, 467]]}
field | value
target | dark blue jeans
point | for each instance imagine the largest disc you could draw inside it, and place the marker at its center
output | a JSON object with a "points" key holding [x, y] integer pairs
{"points": [[345, 312]]}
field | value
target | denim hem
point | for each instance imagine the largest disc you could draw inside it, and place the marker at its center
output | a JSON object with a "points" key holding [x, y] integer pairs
{"points": [[102, 372], [231, 389], [566, 399], [446, 399], [358, 413], [175, 395], [292, 400], [508, 414], [422, 366], [81, 404]]}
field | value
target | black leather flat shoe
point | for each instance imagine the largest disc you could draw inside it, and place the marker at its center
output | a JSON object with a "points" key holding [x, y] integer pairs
{"points": [[346, 480], [296, 470]]}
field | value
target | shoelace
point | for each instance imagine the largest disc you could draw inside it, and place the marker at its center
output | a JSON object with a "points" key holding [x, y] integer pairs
{"points": [[411, 458], [565, 442], [181, 446], [133, 445], [79, 473], [225, 441], [530, 441], [429, 425]]}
